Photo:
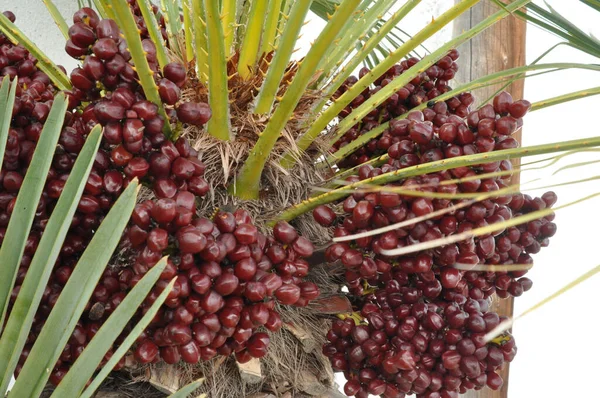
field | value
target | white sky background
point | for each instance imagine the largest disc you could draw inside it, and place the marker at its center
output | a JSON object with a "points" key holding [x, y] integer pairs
{"points": [[558, 354]]}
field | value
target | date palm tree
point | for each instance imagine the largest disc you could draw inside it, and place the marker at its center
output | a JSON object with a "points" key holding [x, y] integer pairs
{"points": [[182, 198]]}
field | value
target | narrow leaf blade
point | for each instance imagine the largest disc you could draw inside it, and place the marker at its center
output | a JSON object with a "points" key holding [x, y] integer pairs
{"points": [[266, 96], [170, 12], [128, 342], [251, 41], [72, 301], [85, 366], [247, 185], [321, 122], [21, 318], [432, 167], [185, 391], [219, 125], [154, 32], [504, 326], [129, 27], [58, 18], [7, 100], [22, 217]]}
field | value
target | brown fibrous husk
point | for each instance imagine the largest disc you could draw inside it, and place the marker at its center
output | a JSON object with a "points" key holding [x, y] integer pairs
{"points": [[280, 188]]}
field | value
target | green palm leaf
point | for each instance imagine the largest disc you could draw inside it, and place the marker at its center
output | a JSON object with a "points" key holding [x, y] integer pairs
{"points": [[72, 301], [20, 222], [21, 317], [188, 389], [44, 63], [85, 366], [127, 343], [553, 22], [7, 100]]}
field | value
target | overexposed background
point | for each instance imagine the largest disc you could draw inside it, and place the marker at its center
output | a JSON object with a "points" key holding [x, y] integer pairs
{"points": [[558, 354]]}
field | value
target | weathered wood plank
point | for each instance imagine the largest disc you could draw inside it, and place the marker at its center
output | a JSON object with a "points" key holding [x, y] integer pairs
{"points": [[498, 48]]}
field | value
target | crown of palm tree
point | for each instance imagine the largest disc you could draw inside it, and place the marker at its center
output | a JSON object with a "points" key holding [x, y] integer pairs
{"points": [[280, 127]]}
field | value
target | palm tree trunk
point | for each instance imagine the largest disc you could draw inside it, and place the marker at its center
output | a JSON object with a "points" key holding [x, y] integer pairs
{"points": [[500, 47]]}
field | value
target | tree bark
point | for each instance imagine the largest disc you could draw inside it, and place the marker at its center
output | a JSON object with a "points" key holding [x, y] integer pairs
{"points": [[500, 47]]}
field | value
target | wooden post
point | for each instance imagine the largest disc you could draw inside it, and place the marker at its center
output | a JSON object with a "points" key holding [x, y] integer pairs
{"points": [[500, 47]]}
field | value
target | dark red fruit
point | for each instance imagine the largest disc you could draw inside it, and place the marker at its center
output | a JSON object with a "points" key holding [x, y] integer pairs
{"points": [[194, 113], [284, 232], [175, 72], [169, 92], [288, 294], [105, 48], [146, 351], [324, 215]]}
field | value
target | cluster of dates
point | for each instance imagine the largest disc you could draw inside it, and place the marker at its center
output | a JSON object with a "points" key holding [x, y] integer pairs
{"points": [[229, 276], [409, 303], [229, 279], [411, 344], [425, 87]]}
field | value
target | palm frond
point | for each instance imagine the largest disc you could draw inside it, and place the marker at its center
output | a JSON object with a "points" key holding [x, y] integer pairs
{"points": [[252, 38], [19, 225], [72, 301], [16, 36], [508, 76], [504, 326], [85, 366], [248, 183], [266, 96], [340, 103], [432, 167], [595, 4], [552, 21], [30, 295], [7, 100], [154, 32], [130, 30], [131, 338], [170, 12], [220, 124], [324, 7], [58, 18]]}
